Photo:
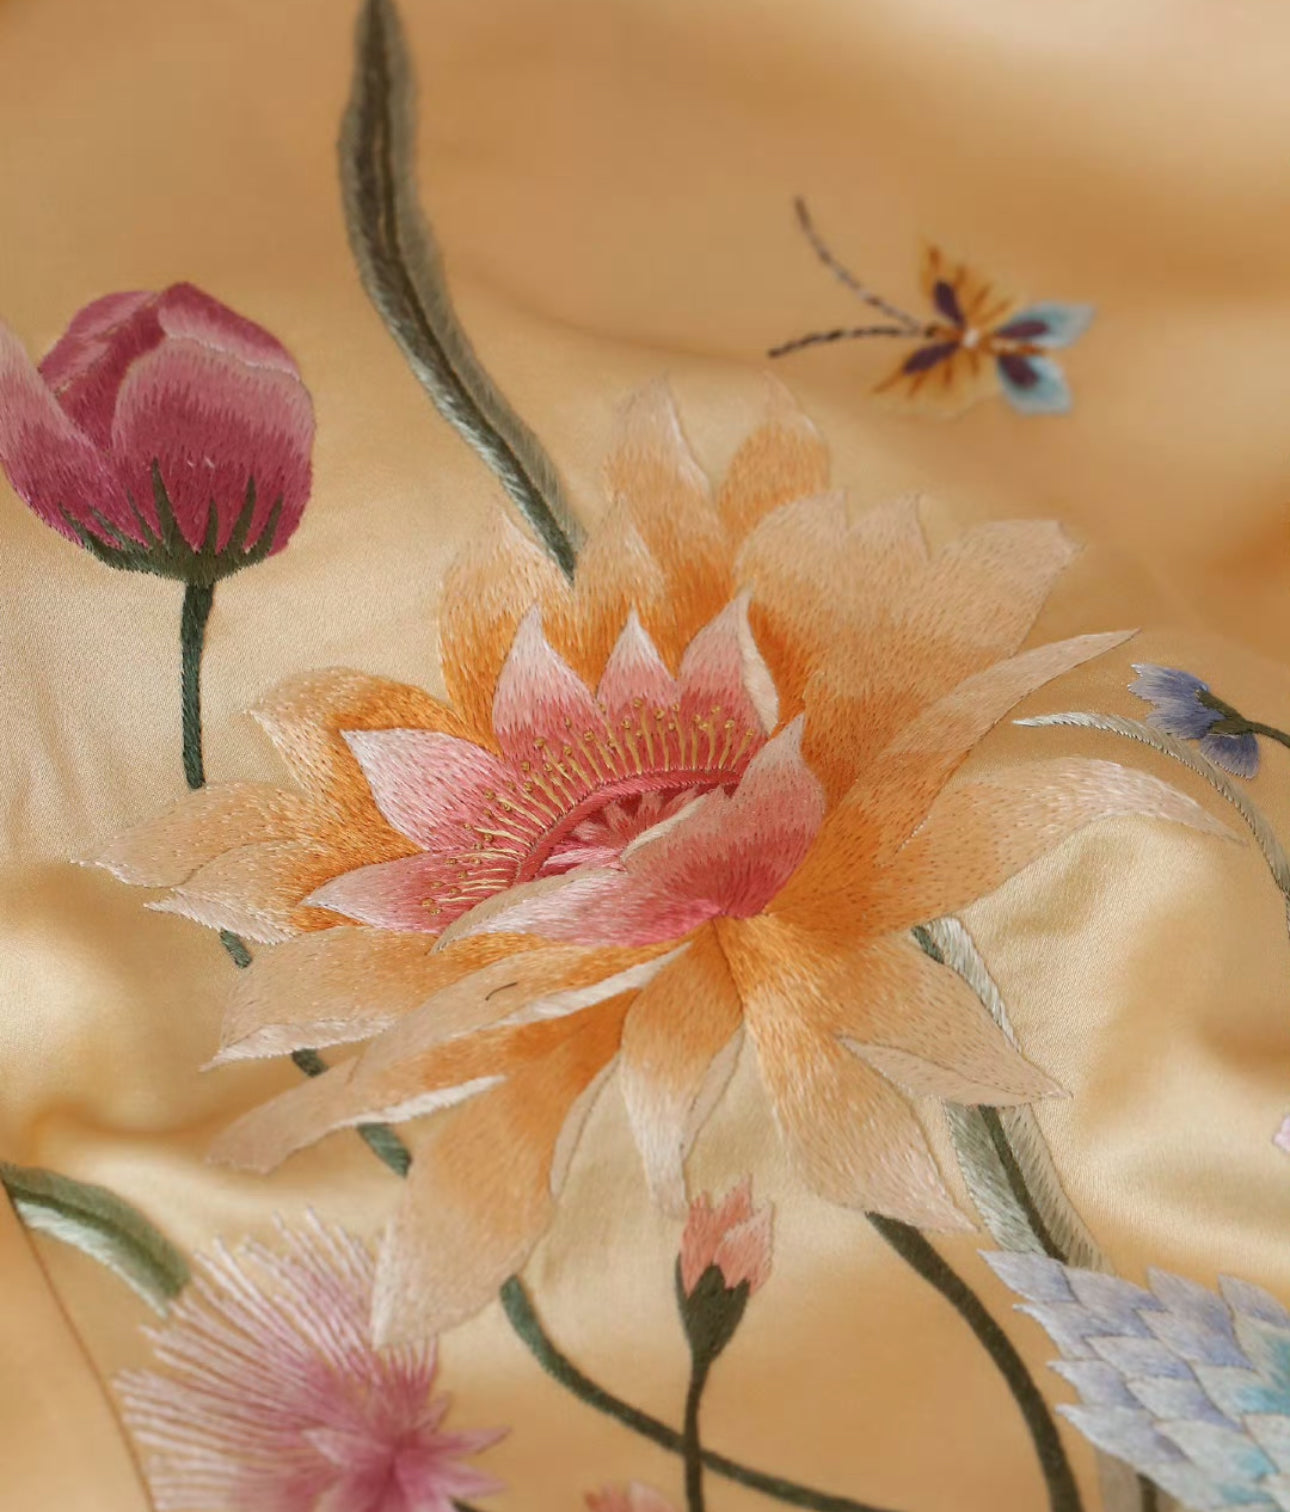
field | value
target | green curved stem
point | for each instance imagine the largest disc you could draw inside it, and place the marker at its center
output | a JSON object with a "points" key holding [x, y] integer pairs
{"points": [[914, 1249], [692, 1446], [198, 598], [524, 1320]]}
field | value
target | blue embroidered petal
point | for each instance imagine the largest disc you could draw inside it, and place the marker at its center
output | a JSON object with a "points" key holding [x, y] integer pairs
{"points": [[1175, 699], [1035, 1277], [1191, 1387], [1033, 385], [1238, 754], [1049, 324]]}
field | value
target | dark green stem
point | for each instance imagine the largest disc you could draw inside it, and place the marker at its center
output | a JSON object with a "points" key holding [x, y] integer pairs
{"points": [[198, 598], [383, 1142], [1270, 731], [524, 1320], [692, 1448], [910, 1245]]}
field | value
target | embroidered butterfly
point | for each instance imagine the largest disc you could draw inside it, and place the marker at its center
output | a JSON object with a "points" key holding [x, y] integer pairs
{"points": [[980, 341]]}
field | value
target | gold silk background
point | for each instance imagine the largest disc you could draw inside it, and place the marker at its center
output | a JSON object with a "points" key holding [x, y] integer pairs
{"points": [[611, 182]]}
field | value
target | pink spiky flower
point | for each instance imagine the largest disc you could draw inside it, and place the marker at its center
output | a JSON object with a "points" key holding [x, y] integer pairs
{"points": [[630, 1498], [734, 1236], [273, 1398]]}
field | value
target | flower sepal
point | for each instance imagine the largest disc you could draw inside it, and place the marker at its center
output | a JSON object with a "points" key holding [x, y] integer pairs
{"points": [[711, 1312]]}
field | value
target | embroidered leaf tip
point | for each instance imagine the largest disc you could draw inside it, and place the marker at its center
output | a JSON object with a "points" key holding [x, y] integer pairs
{"points": [[402, 272], [101, 1225]]}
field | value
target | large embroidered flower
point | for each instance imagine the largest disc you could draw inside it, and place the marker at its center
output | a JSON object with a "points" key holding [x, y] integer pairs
{"points": [[272, 1397], [698, 795]]}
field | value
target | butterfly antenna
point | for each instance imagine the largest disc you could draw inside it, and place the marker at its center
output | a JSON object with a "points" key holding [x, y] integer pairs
{"points": [[843, 333], [909, 325]]}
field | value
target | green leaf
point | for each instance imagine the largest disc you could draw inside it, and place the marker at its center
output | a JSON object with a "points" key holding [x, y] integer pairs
{"points": [[401, 270], [102, 1225]]}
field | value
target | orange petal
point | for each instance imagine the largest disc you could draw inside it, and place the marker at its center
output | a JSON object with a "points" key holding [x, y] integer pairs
{"points": [[898, 786], [499, 576], [653, 474], [616, 573], [854, 1138], [481, 1189], [343, 985], [980, 833], [919, 1024], [167, 850], [784, 459], [679, 1046]]}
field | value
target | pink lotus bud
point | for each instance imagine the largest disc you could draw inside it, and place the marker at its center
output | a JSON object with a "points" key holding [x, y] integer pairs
{"points": [[630, 1498], [163, 432], [735, 1237]]}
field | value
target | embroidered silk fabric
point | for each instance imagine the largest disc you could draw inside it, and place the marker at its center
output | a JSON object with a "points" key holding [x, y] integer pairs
{"points": [[612, 186]]}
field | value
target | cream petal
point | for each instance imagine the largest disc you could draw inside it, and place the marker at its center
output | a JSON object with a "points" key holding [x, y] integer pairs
{"points": [[980, 833], [430, 786], [167, 850], [679, 1044], [479, 1194], [253, 891], [341, 985]]}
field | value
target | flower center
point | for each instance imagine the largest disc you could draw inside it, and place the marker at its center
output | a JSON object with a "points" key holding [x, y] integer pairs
{"points": [[582, 801]]}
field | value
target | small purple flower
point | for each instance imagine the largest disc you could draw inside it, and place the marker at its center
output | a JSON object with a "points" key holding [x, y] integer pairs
{"points": [[1182, 705]]}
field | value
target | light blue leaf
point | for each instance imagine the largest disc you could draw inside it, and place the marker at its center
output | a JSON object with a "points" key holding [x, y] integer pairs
{"points": [[1099, 1384], [1140, 1357], [1064, 323], [1125, 1432], [1267, 1347], [1035, 1277], [1176, 1397], [1250, 1301], [1237, 1391], [1194, 1339], [1272, 1434], [1045, 391]]}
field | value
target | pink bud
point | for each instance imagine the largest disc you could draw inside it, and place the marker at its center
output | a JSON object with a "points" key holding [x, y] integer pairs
{"points": [[735, 1237], [164, 432], [630, 1498]]}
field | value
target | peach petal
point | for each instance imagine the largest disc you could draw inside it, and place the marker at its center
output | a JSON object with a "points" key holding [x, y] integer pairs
{"points": [[498, 577], [854, 1138], [893, 795], [617, 574], [980, 833], [167, 850], [430, 786], [679, 1045], [784, 459], [480, 1191], [919, 1024], [652, 472]]}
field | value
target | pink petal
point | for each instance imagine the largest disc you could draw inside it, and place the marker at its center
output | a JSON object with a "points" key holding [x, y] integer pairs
{"points": [[635, 671], [185, 311], [85, 368], [214, 424], [391, 894], [50, 462], [540, 703], [745, 1250], [1282, 1137], [723, 671], [431, 787]]}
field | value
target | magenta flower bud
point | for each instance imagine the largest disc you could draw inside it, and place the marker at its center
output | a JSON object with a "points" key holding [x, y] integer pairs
{"points": [[163, 432]]}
